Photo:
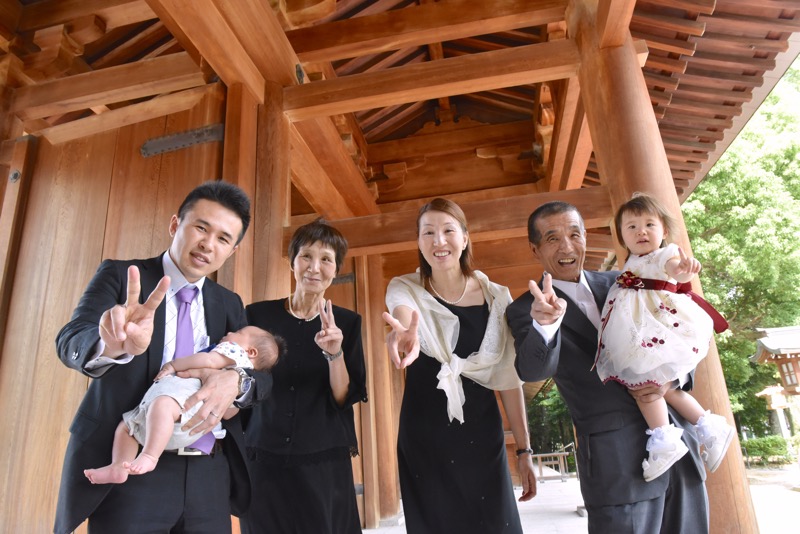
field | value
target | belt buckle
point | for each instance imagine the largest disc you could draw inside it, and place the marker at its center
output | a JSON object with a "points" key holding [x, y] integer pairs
{"points": [[188, 451]]}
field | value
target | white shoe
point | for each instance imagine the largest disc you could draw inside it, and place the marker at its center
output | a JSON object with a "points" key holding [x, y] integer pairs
{"points": [[666, 448], [716, 435]]}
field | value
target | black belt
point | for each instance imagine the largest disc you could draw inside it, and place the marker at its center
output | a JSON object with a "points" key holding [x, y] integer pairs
{"points": [[189, 451]]}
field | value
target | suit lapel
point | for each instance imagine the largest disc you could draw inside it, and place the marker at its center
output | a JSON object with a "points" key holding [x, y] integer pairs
{"points": [[575, 319], [151, 272]]}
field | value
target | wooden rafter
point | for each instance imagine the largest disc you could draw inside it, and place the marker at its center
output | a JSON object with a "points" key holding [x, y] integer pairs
{"points": [[429, 81], [115, 13], [114, 84], [419, 25], [489, 219]]}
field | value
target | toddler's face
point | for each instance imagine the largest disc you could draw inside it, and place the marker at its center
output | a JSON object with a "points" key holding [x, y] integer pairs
{"points": [[642, 232]]}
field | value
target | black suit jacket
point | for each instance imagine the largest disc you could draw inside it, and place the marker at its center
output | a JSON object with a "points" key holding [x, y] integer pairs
{"points": [[609, 425], [122, 386]]}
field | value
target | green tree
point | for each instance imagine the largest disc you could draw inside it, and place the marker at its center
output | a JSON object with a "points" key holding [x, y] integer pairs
{"points": [[744, 224]]}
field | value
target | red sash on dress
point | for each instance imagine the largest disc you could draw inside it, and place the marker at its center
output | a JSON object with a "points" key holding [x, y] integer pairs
{"points": [[629, 280]]}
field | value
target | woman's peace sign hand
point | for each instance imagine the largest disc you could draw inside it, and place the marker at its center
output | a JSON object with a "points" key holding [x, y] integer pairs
{"points": [[330, 337], [402, 340]]}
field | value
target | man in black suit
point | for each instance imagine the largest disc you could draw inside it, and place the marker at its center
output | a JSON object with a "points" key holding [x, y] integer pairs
{"points": [[121, 339], [555, 335]]}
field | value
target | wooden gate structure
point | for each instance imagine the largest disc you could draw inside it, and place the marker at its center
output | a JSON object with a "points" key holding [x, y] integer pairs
{"points": [[359, 111]]}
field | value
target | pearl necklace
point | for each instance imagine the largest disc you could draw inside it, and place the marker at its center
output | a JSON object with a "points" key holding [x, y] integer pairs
{"points": [[451, 302], [291, 311]]}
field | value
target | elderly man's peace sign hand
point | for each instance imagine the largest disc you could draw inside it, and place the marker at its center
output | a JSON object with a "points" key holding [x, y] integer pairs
{"points": [[330, 337], [547, 307], [402, 340], [127, 328]]}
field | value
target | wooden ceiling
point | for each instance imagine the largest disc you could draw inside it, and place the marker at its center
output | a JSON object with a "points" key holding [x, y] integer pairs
{"points": [[394, 102]]}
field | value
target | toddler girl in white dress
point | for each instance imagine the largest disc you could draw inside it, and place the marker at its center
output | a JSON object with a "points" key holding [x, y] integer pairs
{"points": [[654, 330]]}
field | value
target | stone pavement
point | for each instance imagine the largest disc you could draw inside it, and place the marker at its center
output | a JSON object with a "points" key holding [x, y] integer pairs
{"points": [[775, 493]]}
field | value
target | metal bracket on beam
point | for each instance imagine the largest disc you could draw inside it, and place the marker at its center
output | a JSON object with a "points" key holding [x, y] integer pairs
{"points": [[177, 141]]}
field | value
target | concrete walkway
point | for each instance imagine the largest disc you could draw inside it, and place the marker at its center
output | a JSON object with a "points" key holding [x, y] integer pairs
{"points": [[775, 493]]}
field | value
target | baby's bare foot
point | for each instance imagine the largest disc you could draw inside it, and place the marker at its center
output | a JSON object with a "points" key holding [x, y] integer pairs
{"points": [[144, 463], [110, 474]]}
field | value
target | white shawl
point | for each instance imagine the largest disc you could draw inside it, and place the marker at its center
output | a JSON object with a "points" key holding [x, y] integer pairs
{"points": [[492, 366]]}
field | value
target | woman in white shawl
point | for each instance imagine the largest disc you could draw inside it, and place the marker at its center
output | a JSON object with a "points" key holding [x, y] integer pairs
{"points": [[448, 321]]}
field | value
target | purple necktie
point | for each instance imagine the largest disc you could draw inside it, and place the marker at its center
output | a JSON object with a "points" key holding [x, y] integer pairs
{"points": [[184, 346]]}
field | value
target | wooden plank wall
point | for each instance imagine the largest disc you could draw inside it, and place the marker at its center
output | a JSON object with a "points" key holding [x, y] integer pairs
{"points": [[89, 199]]}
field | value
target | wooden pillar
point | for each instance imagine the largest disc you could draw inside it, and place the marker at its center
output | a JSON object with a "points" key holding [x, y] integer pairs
{"points": [[382, 393], [12, 214], [631, 157], [239, 167], [272, 199], [365, 302]]}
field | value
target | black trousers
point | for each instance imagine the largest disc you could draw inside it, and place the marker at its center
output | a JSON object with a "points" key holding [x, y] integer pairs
{"points": [[184, 494]]}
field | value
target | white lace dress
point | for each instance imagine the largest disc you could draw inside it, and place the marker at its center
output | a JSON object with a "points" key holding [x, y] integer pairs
{"points": [[650, 336]]}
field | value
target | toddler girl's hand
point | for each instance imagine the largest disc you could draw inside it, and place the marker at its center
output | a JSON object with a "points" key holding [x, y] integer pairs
{"points": [[687, 264], [167, 370]]}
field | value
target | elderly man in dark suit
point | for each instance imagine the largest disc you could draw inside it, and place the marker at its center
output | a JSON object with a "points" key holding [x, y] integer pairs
{"points": [[555, 334], [121, 339]]}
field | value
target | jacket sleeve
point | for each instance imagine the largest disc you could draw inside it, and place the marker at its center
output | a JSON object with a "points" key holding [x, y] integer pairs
{"points": [[354, 360], [77, 340], [536, 360]]}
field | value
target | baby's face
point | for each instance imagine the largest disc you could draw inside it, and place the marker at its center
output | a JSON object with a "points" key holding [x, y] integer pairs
{"points": [[243, 337]]}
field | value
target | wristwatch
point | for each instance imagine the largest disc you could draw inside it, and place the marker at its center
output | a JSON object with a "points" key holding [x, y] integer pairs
{"points": [[245, 381], [330, 357], [520, 452]]}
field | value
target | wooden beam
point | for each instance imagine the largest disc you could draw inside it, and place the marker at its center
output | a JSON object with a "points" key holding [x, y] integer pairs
{"points": [[613, 21], [260, 34], [419, 25], [203, 22], [438, 144], [489, 219], [244, 43], [314, 183], [117, 118], [12, 216], [114, 84], [510, 191], [10, 13], [429, 81], [115, 13], [569, 116]]}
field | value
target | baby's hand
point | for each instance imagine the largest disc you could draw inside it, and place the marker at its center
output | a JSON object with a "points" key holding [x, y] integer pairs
{"points": [[167, 370]]}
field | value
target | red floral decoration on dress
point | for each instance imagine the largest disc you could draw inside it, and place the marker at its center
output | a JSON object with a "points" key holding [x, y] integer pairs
{"points": [[629, 280]]}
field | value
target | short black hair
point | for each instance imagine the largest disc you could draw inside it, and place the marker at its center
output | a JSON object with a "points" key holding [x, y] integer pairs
{"points": [[319, 230], [226, 194], [547, 209], [263, 341]]}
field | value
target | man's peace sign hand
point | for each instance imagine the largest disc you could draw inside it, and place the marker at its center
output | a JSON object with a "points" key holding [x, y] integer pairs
{"points": [[547, 307], [127, 328]]}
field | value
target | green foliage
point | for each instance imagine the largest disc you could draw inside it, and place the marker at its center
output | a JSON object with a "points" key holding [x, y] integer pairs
{"points": [[743, 220], [767, 449], [549, 422]]}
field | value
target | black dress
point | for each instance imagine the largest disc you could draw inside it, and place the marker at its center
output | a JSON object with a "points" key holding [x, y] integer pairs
{"points": [[299, 440], [454, 477]]}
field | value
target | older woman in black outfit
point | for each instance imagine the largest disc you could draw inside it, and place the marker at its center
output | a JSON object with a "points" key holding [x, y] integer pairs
{"points": [[301, 440]]}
